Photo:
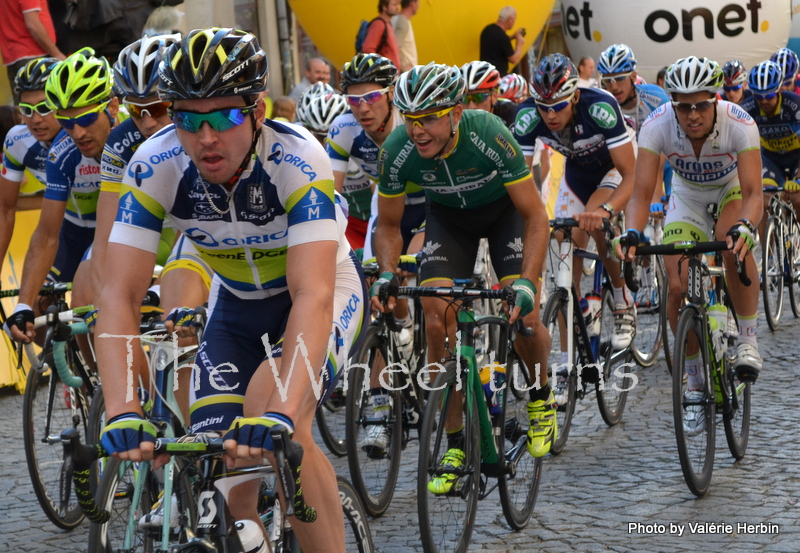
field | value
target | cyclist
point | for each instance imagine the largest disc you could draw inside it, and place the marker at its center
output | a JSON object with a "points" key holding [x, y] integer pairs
{"points": [[80, 91], [257, 199], [617, 67], [789, 64], [712, 146], [587, 127], [514, 87], [482, 82], [317, 109], [735, 84], [26, 145], [477, 185]]}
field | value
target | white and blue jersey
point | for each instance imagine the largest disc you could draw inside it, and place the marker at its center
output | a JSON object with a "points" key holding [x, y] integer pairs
{"points": [[780, 143], [648, 98], [22, 151], [74, 179]]}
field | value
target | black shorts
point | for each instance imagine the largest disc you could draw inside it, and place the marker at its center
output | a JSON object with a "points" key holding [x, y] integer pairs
{"points": [[73, 241], [452, 237]]}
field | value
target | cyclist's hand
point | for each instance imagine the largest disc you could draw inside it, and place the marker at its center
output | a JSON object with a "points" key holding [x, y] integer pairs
{"points": [[386, 286], [657, 210], [526, 296], [632, 237], [129, 437], [792, 186], [591, 220], [249, 438], [181, 320], [745, 233], [19, 325]]}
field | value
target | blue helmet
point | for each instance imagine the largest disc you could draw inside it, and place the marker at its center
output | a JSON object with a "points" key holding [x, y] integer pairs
{"points": [[617, 58], [555, 77], [765, 77], [787, 61], [136, 69]]}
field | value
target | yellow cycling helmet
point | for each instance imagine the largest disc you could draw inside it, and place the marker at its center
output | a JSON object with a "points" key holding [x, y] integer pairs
{"points": [[80, 80]]}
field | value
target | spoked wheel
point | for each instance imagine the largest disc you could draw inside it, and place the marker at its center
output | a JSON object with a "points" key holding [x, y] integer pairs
{"points": [[49, 407], [650, 315], [357, 536], [772, 271], [520, 487], [694, 411], [793, 265], [447, 517], [565, 380], [617, 370], [332, 420], [667, 338], [373, 440]]}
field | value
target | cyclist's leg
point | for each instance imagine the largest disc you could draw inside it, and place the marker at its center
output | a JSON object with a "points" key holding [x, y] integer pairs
{"points": [[771, 175], [572, 200]]}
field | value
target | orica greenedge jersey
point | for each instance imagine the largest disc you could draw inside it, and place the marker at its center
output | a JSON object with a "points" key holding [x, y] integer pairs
{"points": [[284, 197], [779, 134], [74, 179], [22, 151], [122, 142], [486, 159]]}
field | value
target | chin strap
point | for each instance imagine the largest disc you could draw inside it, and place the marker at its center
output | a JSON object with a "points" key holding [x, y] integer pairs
{"points": [[453, 131], [250, 152], [386, 121]]}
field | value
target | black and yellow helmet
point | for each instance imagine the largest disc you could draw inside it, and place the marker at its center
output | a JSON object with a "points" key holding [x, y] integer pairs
{"points": [[80, 80], [33, 75], [213, 62], [368, 68]]}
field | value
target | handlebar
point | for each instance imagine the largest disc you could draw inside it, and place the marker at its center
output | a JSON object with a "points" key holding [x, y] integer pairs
{"points": [[49, 289]]}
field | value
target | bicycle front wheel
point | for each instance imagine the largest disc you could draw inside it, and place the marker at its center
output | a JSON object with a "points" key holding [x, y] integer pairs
{"points": [[618, 378], [694, 414], [356, 526], [49, 407], [519, 487], [649, 312], [793, 265], [737, 419], [373, 442], [447, 519], [558, 324], [332, 420], [772, 272]]}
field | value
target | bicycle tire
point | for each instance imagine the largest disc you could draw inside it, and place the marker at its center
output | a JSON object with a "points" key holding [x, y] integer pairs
{"points": [[696, 455], [612, 389], [332, 420], [357, 532], [374, 474], [793, 265], [97, 421], [649, 312], [519, 379], [555, 320], [458, 507], [667, 338], [47, 404], [772, 268], [520, 488]]}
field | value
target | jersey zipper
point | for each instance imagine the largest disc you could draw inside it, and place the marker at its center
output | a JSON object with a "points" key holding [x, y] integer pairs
{"points": [[247, 250]]}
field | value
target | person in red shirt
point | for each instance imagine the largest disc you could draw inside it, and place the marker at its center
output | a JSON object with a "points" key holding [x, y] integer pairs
{"points": [[26, 32], [380, 34]]}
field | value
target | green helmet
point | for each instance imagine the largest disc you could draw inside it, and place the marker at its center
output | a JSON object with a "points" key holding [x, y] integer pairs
{"points": [[33, 75], [429, 86], [80, 80]]}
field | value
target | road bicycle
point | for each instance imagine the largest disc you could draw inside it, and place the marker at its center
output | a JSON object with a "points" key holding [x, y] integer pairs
{"points": [[780, 257], [706, 326], [494, 431]]}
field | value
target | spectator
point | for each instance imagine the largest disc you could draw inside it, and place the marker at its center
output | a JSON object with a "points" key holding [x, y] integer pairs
{"points": [[405, 34], [26, 32], [381, 39], [283, 109], [662, 73], [496, 45], [586, 73], [317, 69], [9, 117]]}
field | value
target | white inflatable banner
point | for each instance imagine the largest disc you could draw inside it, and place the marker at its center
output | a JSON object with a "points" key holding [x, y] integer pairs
{"points": [[794, 35], [661, 31]]}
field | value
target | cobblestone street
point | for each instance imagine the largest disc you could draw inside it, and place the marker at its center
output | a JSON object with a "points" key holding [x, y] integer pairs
{"points": [[613, 489]]}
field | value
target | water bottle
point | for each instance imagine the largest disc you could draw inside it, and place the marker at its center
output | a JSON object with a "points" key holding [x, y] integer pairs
{"points": [[405, 343], [586, 311], [251, 536], [596, 306], [496, 396], [718, 319]]}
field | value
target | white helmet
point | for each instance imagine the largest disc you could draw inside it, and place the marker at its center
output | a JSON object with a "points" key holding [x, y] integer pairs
{"points": [[689, 75], [136, 69], [319, 106]]}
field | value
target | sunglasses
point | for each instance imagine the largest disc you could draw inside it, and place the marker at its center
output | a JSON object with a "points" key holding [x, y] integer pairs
{"points": [[27, 110], [368, 97], [686, 107], [555, 108], [84, 120], [767, 96], [154, 110], [219, 120], [428, 119], [616, 78], [476, 97], [727, 88]]}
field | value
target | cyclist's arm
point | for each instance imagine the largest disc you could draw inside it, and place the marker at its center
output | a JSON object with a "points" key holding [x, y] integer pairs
{"points": [[9, 193], [388, 241], [532, 210], [42, 249], [106, 213], [646, 176], [624, 162], [37, 30], [338, 180]]}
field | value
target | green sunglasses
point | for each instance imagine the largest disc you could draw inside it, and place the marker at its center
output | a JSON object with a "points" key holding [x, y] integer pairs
{"points": [[219, 120]]}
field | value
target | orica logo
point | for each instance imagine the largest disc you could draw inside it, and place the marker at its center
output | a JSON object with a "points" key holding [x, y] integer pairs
{"points": [[201, 237], [278, 156], [138, 171]]}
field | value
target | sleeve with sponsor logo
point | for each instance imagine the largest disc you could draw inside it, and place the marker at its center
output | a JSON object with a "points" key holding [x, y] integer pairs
{"points": [[391, 160], [306, 188], [340, 141], [112, 169], [13, 155], [525, 127], [608, 117], [61, 164], [512, 167], [746, 135]]}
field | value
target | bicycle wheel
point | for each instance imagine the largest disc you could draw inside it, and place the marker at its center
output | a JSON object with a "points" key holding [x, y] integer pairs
{"points": [[97, 421], [447, 520], [695, 446], [356, 526], [793, 264], [519, 379], [49, 407], [772, 272], [373, 470], [520, 486], [667, 338], [649, 313], [565, 377], [332, 421]]}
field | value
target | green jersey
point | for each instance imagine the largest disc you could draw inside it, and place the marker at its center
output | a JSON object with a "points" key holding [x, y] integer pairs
{"points": [[486, 159]]}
